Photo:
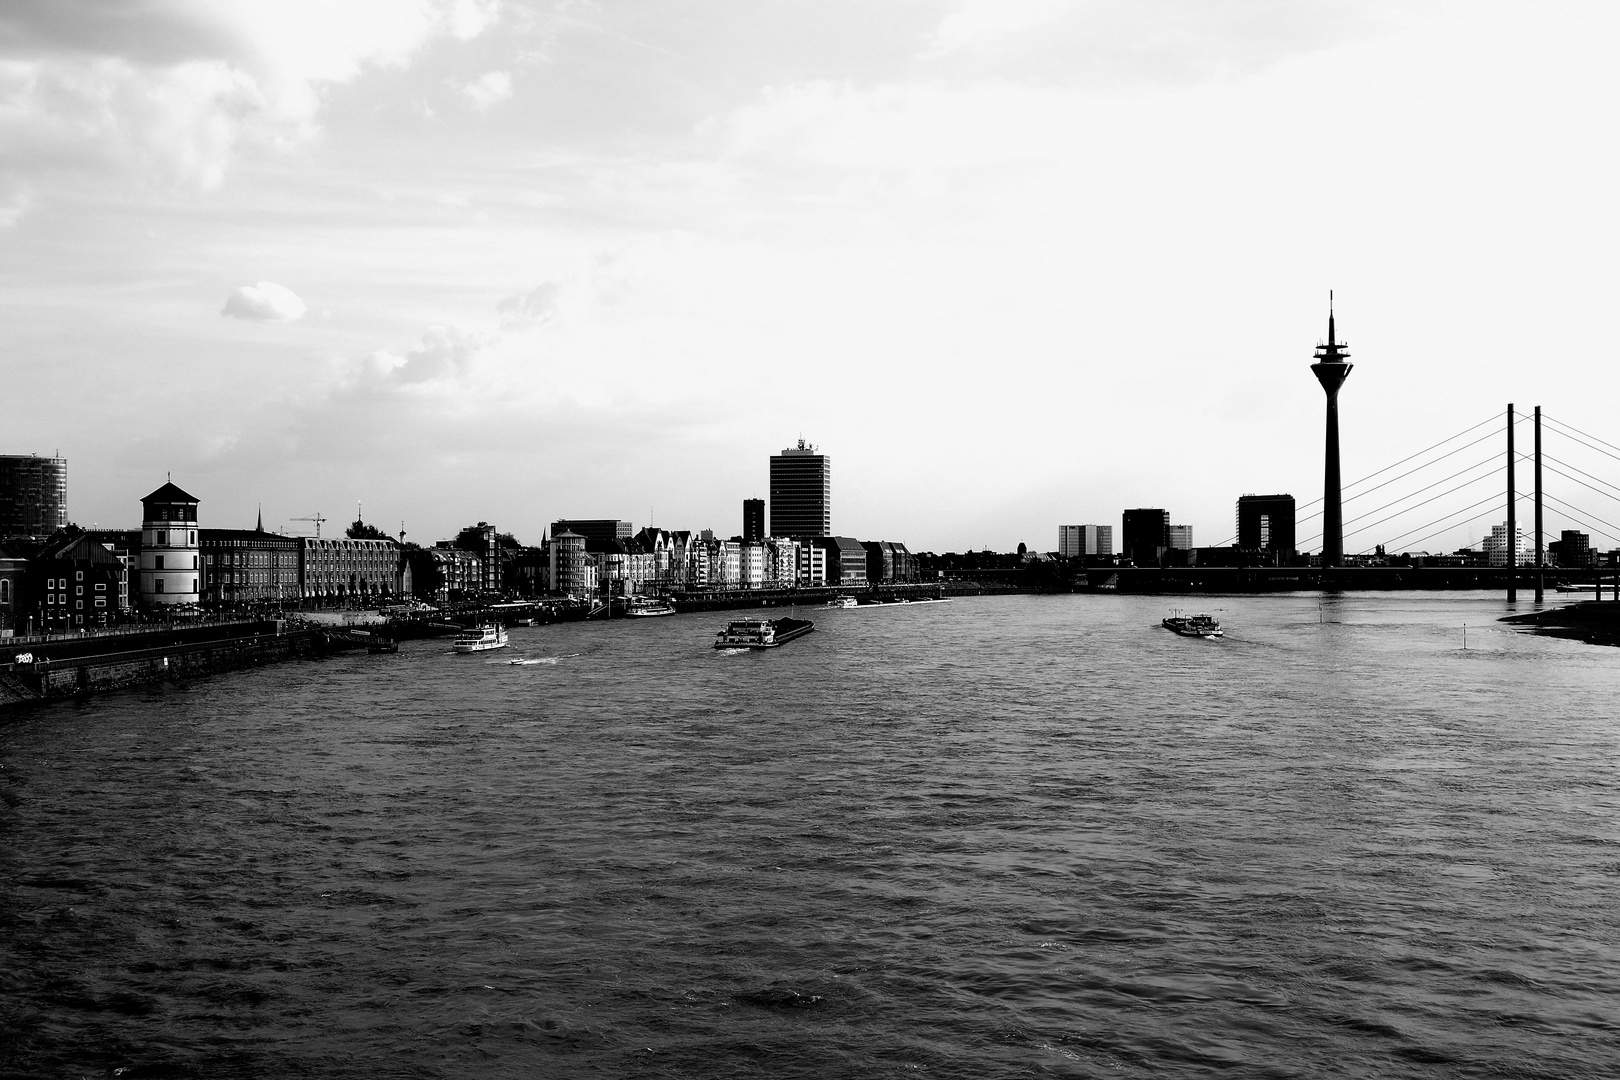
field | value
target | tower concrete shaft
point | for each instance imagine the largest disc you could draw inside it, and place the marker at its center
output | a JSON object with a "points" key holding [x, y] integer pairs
{"points": [[1331, 369]]}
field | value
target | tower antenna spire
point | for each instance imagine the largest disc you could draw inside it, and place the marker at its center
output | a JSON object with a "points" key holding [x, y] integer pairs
{"points": [[1330, 317]]}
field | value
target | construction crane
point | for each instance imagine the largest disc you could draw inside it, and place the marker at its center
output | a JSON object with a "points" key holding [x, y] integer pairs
{"points": [[316, 518]]}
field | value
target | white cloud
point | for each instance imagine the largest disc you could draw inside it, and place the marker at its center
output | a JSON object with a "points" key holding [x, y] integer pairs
{"points": [[264, 302], [15, 201], [177, 87], [445, 352], [489, 90], [978, 23]]}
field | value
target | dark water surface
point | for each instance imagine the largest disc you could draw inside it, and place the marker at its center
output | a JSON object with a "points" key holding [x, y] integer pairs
{"points": [[1014, 836]]}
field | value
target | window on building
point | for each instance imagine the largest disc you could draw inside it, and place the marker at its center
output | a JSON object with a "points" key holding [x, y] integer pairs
{"points": [[101, 586], [50, 583], [78, 590], [158, 587], [194, 562], [193, 584], [5, 590], [192, 537], [162, 538], [79, 604], [158, 564], [78, 575], [101, 601]]}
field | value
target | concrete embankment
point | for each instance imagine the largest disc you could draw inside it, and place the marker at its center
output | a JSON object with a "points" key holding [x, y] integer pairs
{"points": [[62, 667]]}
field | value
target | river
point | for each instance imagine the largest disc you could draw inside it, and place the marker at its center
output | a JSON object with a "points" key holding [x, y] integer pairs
{"points": [[1000, 837]]}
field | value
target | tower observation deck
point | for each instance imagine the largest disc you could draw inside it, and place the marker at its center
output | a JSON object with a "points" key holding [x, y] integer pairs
{"points": [[1331, 369]]}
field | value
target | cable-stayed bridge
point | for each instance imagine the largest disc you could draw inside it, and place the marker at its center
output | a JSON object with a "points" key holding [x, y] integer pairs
{"points": [[1505, 485]]}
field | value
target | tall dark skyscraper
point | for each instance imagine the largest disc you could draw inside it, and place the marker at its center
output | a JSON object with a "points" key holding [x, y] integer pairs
{"points": [[1331, 370], [753, 520], [801, 492]]}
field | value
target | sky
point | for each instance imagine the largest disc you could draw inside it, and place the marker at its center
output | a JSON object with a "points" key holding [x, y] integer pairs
{"points": [[1010, 263]]}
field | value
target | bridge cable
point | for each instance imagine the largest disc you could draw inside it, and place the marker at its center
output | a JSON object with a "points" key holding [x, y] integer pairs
{"points": [[1415, 506]]}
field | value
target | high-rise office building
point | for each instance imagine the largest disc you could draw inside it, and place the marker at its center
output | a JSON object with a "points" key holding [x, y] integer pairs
{"points": [[1266, 523], [1178, 537], [1076, 541], [801, 492], [33, 495], [753, 520], [1144, 535]]}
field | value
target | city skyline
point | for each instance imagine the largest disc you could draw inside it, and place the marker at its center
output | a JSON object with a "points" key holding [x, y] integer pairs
{"points": [[395, 259]]}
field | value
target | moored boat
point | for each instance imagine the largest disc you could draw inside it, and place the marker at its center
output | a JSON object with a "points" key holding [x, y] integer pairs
{"points": [[480, 639], [761, 633], [1194, 625], [844, 602], [644, 608]]}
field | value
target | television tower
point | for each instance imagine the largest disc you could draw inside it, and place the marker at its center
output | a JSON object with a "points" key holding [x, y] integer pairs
{"points": [[1331, 370]]}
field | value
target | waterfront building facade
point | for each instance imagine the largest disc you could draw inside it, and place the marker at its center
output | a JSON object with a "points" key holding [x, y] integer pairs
{"points": [[483, 541], [83, 584], [348, 571], [1178, 537], [1144, 535], [845, 560], [14, 613], [1265, 523], [458, 573], [801, 493], [782, 562], [889, 563], [170, 564], [33, 495], [568, 569], [812, 565], [248, 566]]}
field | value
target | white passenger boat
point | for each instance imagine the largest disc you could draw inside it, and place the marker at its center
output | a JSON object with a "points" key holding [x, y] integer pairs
{"points": [[843, 601], [480, 639]]}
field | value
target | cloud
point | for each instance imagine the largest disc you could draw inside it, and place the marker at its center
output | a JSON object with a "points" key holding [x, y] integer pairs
{"points": [[978, 23], [264, 302], [536, 305], [174, 88], [15, 201], [490, 90], [445, 352]]}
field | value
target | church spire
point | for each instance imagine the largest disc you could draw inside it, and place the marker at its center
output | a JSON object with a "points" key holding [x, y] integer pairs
{"points": [[260, 526]]}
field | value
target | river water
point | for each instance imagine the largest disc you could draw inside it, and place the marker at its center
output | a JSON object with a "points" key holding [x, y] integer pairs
{"points": [[1000, 837]]}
